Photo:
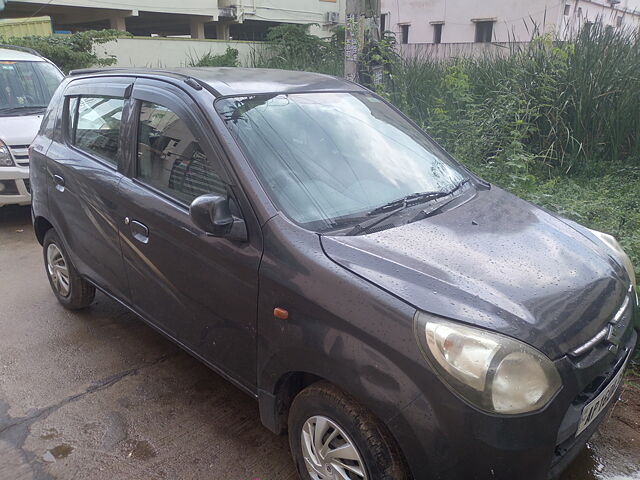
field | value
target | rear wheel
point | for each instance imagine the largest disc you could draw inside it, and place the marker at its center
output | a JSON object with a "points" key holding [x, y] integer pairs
{"points": [[332, 437], [71, 290]]}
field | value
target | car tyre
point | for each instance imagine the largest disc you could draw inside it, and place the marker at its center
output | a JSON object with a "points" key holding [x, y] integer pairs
{"points": [[338, 420], [71, 290]]}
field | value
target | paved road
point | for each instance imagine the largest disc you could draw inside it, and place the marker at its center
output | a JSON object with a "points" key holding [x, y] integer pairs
{"points": [[99, 395]]}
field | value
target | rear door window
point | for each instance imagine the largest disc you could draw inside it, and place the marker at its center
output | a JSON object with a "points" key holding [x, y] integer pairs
{"points": [[170, 158], [94, 125]]}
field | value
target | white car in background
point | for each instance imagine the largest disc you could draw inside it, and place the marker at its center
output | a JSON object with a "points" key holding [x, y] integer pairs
{"points": [[27, 82]]}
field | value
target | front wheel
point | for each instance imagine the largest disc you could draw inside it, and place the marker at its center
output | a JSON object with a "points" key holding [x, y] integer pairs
{"points": [[71, 290], [332, 437]]}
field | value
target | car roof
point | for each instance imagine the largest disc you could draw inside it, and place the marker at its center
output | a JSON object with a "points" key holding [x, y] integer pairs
{"points": [[231, 81], [10, 55]]}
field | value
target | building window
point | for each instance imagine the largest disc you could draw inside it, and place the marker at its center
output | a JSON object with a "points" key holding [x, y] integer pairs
{"points": [[567, 10], [383, 24], [484, 31], [437, 32], [619, 21], [405, 33]]}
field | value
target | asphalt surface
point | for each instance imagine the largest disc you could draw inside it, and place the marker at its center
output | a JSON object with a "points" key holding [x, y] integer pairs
{"points": [[100, 395]]}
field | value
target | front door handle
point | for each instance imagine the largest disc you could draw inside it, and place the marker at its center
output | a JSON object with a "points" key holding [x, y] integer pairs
{"points": [[139, 231], [59, 181]]}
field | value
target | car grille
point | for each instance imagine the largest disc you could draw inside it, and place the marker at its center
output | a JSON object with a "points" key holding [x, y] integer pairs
{"points": [[20, 154], [612, 331]]}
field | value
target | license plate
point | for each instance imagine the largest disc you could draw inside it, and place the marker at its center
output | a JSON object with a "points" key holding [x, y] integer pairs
{"points": [[591, 411]]}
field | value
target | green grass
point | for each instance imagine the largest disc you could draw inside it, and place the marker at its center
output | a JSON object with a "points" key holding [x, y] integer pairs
{"points": [[227, 59], [632, 377]]}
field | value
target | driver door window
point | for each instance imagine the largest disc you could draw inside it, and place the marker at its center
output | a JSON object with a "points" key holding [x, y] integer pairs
{"points": [[170, 158]]}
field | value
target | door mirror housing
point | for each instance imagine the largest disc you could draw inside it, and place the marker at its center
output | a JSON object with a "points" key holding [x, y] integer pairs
{"points": [[212, 214]]}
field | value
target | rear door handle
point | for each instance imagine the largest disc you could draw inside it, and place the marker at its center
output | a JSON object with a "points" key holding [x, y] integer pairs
{"points": [[139, 231], [59, 180]]}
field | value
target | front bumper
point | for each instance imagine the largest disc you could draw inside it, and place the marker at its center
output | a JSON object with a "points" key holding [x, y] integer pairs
{"points": [[14, 186], [445, 438]]}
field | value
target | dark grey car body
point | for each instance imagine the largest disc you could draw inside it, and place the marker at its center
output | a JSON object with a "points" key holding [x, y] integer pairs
{"points": [[488, 259]]}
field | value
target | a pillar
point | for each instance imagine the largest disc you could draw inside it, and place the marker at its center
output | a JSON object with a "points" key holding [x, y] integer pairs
{"points": [[197, 28], [222, 31], [118, 23]]}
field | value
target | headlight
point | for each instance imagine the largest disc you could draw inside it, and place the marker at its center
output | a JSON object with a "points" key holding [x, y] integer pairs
{"points": [[494, 372], [5, 156], [619, 253]]}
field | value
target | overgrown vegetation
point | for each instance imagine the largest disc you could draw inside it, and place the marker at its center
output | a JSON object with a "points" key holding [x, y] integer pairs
{"points": [[632, 378], [69, 52], [573, 106], [227, 59], [291, 47]]}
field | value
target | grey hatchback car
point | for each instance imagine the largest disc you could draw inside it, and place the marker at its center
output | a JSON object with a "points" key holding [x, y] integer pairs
{"points": [[397, 315]]}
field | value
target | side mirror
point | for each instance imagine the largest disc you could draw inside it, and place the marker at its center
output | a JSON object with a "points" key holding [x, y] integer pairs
{"points": [[212, 214]]}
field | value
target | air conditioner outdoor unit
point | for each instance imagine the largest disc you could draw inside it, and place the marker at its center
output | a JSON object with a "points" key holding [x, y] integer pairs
{"points": [[332, 17], [228, 12]]}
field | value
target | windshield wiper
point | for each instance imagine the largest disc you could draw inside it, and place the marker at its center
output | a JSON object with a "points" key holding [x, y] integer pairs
{"points": [[9, 110], [396, 206]]}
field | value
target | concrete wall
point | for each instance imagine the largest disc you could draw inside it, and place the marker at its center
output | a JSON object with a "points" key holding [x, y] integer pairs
{"points": [[445, 51], [169, 52], [513, 20]]}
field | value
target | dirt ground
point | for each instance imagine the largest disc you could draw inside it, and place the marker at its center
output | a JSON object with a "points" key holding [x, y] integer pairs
{"points": [[99, 395]]}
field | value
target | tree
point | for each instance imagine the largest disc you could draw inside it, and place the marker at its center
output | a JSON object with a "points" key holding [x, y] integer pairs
{"points": [[73, 51]]}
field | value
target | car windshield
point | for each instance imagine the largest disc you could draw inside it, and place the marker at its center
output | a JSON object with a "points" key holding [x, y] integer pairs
{"points": [[26, 86], [327, 157]]}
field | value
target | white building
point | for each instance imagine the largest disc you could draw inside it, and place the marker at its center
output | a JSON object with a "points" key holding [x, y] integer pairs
{"points": [[238, 19], [467, 21]]}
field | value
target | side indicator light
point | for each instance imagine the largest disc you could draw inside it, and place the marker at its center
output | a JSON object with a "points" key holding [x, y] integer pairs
{"points": [[280, 313]]}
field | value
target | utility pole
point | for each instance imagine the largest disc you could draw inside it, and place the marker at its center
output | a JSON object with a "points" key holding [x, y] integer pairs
{"points": [[362, 28]]}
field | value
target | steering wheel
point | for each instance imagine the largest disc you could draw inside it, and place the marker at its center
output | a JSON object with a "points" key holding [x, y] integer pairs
{"points": [[29, 100]]}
